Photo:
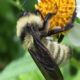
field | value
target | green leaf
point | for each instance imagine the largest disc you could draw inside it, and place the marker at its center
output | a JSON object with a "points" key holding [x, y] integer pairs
{"points": [[78, 20], [5, 10], [29, 5], [74, 34], [17, 67], [36, 75], [77, 77], [66, 72], [75, 63]]}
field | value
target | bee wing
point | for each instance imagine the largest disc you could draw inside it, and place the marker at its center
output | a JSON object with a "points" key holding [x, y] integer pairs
{"points": [[74, 35], [44, 61]]}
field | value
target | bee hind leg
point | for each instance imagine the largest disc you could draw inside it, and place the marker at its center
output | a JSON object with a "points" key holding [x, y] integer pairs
{"points": [[60, 38], [67, 27]]}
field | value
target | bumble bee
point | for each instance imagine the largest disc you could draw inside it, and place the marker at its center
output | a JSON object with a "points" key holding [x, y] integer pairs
{"points": [[32, 31], [58, 51]]}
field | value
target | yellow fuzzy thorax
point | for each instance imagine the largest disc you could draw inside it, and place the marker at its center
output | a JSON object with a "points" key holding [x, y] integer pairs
{"points": [[64, 14]]}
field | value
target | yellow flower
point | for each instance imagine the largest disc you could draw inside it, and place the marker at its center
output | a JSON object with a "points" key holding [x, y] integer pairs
{"points": [[64, 14]]}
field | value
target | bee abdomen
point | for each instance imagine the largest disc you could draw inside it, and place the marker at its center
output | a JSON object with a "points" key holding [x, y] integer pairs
{"points": [[67, 53], [61, 53]]}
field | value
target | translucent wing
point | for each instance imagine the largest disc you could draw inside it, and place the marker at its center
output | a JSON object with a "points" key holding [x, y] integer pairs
{"points": [[74, 34], [44, 61]]}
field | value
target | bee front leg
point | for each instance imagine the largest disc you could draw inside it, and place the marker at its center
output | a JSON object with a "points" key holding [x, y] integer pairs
{"points": [[48, 17], [39, 13]]}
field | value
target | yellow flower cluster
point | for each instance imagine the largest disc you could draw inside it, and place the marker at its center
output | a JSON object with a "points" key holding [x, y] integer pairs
{"points": [[64, 13]]}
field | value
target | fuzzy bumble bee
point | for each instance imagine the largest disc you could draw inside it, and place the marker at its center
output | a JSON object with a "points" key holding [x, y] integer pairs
{"points": [[61, 53], [34, 28], [32, 31]]}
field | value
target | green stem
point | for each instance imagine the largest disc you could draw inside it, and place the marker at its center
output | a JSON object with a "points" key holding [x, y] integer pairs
{"points": [[16, 3]]}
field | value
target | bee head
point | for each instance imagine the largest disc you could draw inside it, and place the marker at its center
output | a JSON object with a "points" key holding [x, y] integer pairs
{"points": [[24, 13], [27, 20]]}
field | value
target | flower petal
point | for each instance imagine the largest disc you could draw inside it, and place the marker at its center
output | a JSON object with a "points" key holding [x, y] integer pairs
{"points": [[78, 8]]}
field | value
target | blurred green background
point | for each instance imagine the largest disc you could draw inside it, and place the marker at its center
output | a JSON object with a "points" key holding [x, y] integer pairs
{"points": [[17, 64]]}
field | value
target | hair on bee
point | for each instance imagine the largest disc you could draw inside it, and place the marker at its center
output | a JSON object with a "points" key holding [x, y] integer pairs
{"points": [[37, 44]]}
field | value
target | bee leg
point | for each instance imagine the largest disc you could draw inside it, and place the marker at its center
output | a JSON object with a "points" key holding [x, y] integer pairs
{"points": [[38, 12], [68, 26], [48, 17], [60, 38]]}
